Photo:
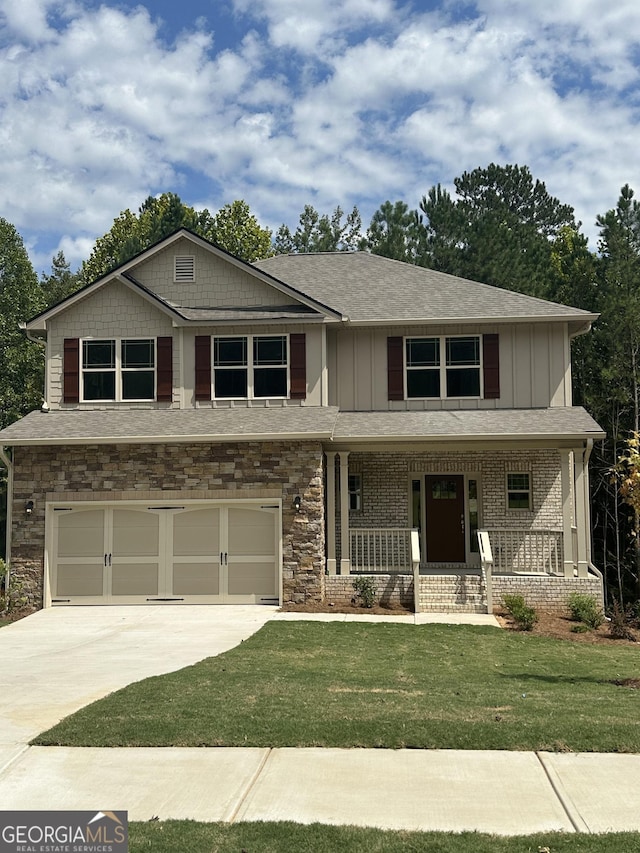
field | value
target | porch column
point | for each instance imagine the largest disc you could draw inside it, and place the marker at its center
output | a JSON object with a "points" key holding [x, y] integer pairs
{"points": [[566, 467], [331, 512], [582, 512], [345, 545]]}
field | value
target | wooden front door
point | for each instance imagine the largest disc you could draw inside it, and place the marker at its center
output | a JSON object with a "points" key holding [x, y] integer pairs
{"points": [[445, 518]]}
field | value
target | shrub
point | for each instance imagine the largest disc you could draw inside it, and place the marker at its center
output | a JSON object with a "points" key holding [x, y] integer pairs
{"points": [[585, 608], [365, 590], [619, 625], [522, 614]]}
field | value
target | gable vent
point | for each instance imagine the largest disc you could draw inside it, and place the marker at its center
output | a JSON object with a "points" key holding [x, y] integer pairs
{"points": [[184, 268]]}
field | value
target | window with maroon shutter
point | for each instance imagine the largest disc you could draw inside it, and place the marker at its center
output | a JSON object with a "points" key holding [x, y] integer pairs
{"points": [[203, 367], [298, 367], [71, 371], [491, 366], [164, 388], [395, 368]]}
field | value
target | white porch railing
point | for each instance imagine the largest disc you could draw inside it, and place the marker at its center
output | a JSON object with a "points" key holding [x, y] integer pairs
{"points": [[380, 550], [529, 551]]}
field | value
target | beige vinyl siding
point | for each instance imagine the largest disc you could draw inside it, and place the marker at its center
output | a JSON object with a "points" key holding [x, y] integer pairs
{"points": [[111, 312], [534, 367], [217, 282]]}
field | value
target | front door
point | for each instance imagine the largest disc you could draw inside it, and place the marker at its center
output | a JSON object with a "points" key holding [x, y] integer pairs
{"points": [[445, 518]]}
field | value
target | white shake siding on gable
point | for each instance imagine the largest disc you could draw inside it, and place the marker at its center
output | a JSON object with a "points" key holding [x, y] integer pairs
{"points": [[111, 312], [535, 370], [233, 287]]}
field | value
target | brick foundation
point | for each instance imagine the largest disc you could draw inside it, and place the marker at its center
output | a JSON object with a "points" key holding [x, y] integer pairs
{"points": [[390, 589], [545, 592]]}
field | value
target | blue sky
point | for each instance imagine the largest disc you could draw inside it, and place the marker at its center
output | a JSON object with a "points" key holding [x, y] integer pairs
{"points": [[284, 103]]}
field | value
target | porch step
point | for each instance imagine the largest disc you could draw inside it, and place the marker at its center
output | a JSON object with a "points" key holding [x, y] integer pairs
{"points": [[452, 593]]}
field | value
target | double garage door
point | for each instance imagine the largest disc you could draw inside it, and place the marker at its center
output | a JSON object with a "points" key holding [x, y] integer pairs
{"points": [[134, 554]]}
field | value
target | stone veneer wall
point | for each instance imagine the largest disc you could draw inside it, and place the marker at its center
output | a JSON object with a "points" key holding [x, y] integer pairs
{"points": [[181, 471]]}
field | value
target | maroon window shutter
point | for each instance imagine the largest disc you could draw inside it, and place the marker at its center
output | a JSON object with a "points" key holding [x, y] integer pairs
{"points": [[203, 367], [71, 371], [298, 367], [491, 366], [164, 391], [395, 369]]}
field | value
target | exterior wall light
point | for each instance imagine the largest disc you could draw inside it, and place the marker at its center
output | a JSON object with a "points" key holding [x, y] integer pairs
{"points": [[28, 508], [297, 502]]}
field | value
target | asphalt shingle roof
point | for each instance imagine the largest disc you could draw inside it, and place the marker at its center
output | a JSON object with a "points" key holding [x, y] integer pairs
{"points": [[296, 423], [370, 288]]}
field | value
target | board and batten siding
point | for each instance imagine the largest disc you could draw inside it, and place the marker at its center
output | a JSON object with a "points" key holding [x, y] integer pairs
{"points": [[535, 370]]}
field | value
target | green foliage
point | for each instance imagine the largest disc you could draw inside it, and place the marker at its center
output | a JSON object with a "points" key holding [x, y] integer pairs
{"points": [[365, 590], [396, 232], [499, 229], [60, 283], [13, 598], [22, 374], [522, 614], [620, 617], [316, 233], [585, 608], [233, 228]]}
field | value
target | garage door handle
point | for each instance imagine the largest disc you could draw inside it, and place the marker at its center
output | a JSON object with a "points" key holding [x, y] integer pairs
{"points": [[224, 558], [107, 560]]}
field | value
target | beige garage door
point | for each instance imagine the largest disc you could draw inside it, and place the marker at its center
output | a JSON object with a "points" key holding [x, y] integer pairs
{"points": [[227, 553]]}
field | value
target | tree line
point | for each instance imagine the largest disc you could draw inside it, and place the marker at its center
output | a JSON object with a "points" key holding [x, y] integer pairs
{"points": [[499, 226]]}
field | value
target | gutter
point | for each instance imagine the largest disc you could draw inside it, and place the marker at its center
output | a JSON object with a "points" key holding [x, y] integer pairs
{"points": [[6, 461]]}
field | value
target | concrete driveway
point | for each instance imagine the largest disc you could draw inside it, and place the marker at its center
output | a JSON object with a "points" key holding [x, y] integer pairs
{"points": [[57, 660]]}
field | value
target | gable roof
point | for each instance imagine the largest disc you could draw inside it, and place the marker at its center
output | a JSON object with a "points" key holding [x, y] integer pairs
{"points": [[370, 289]]}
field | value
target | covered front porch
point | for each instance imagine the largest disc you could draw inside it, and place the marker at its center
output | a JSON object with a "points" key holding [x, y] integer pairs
{"points": [[532, 502]]}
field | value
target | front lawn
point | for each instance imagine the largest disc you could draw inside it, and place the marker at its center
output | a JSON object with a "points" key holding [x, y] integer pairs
{"points": [[379, 685], [178, 836]]}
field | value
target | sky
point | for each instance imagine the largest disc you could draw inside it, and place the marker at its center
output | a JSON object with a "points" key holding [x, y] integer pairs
{"points": [[285, 103]]}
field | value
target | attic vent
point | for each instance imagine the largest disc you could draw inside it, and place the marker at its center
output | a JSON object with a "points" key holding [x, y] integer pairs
{"points": [[185, 268]]}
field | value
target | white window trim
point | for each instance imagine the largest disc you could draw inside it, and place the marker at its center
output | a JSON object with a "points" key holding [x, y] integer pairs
{"points": [[509, 491], [119, 370], [443, 367], [357, 492], [249, 367]]}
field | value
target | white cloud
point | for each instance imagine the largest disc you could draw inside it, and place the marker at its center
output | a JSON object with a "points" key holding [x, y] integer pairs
{"points": [[331, 103]]}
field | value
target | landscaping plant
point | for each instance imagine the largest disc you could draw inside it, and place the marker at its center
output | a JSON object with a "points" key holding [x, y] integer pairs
{"points": [[585, 608], [522, 614]]}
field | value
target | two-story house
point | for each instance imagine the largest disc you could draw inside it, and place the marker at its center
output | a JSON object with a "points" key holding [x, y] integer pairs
{"points": [[216, 432]]}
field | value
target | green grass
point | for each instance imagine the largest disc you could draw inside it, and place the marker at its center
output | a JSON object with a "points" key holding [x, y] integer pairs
{"points": [[181, 836], [379, 685]]}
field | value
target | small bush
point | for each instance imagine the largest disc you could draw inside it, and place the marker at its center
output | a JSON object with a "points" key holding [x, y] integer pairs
{"points": [[585, 609], [522, 614], [619, 625], [365, 590]]}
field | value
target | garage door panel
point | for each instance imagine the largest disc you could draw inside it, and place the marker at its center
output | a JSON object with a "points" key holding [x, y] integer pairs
{"points": [[135, 534], [251, 532], [134, 579], [252, 578], [81, 534], [79, 579], [196, 533], [196, 579]]}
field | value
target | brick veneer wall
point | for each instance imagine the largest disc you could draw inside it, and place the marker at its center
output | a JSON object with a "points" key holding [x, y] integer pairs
{"points": [[545, 593], [390, 589], [188, 471]]}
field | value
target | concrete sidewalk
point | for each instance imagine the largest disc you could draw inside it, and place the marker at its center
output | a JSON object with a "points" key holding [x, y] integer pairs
{"points": [[506, 793]]}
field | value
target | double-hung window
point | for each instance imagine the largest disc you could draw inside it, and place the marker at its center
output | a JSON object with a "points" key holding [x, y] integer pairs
{"points": [[519, 490], [443, 367], [250, 367], [119, 369]]}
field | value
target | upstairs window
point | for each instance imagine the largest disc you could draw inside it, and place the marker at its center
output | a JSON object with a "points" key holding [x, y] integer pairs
{"points": [[250, 367], [443, 367], [115, 369]]}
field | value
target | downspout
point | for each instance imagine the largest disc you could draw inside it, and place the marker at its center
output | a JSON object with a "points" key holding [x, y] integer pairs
{"points": [[587, 455], [7, 462]]}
